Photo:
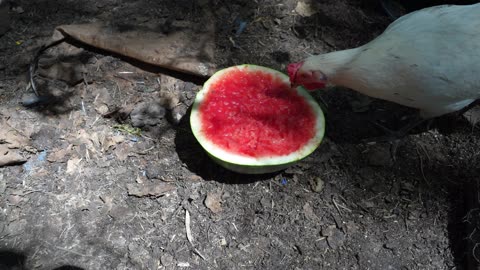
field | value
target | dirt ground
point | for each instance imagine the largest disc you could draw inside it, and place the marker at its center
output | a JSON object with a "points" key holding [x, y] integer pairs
{"points": [[96, 193]]}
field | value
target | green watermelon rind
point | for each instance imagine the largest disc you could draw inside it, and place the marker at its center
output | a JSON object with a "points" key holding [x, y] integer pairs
{"points": [[251, 165]]}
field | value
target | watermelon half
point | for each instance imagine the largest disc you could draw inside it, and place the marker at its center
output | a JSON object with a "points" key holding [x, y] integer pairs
{"points": [[250, 120]]}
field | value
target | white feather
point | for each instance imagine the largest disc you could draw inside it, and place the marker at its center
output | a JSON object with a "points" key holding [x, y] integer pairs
{"points": [[428, 59]]}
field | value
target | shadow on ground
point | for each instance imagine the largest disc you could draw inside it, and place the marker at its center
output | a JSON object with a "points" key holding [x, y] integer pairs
{"points": [[14, 260]]}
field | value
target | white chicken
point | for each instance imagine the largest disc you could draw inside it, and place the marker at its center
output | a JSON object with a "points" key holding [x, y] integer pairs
{"points": [[428, 59]]}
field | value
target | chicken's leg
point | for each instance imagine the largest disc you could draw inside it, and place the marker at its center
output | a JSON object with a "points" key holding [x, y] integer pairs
{"points": [[392, 135]]}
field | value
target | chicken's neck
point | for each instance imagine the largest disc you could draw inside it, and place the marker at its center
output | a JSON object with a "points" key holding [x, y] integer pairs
{"points": [[334, 65]]}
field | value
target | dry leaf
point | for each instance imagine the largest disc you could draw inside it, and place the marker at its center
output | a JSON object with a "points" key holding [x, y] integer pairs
{"points": [[213, 202], [151, 189], [112, 141], [9, 156], [60, 155], [73, 165], [11, 137], [90, 140]]}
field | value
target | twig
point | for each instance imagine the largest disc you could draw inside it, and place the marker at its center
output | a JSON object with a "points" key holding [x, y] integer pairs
{"points": [[199, 254], [187, 227], [336, 206], [234, 226], [421, 167]]}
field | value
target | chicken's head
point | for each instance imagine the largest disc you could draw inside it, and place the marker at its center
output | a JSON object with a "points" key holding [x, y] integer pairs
{"points": [[302, 76]]}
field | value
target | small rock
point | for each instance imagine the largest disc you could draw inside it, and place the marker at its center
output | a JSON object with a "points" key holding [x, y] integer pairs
{"points": [[102, 109], [223, 242], [183, 264], [266, 203], [317, 184], [335, 237], [102, 101], [328, 231], [306, 8], [167, 260], [351, 227], [18, 9], [309, 213]]}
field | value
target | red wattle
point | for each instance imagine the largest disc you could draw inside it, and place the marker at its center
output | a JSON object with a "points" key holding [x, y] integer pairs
{"points": [[292, 70]]}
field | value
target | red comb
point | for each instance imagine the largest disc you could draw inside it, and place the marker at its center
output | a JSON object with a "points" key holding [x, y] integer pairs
{"points": [[292, 70]]}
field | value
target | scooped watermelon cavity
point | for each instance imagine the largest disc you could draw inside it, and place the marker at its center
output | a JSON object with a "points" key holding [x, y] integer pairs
{"points": [[256, 114], [250, 120]]}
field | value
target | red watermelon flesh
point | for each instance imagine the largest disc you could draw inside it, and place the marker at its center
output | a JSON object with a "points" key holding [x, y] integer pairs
{"points": [[253, 113]]}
